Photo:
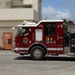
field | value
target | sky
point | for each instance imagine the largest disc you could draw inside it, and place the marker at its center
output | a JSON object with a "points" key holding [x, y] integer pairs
{"points": [[58, 9]]}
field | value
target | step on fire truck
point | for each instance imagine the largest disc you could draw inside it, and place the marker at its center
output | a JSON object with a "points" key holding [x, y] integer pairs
{"points": [[41, 39]]}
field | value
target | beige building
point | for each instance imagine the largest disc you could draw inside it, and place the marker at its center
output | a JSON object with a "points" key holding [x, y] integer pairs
{"points": [[12, 13]]}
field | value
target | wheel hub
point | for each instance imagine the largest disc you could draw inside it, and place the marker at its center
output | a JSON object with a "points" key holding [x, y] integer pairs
{"points": [[37, 53]]}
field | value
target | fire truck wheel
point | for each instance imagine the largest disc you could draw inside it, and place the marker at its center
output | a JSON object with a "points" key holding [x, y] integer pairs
{"points": [[21, 53], [37, 53]]}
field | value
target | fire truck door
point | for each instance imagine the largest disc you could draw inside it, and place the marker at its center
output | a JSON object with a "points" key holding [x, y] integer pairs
{"points": [[50, 35], [25, 37]]}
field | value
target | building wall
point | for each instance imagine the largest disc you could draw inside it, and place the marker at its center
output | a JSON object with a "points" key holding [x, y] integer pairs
{"points": [[17, 2], [5, 4], [22, 2], [10, 23], [20, 10], [37, 7], [26, 2], [18, 14]]}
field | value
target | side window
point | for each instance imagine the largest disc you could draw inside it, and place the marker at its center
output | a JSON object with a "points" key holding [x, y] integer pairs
{"points": [[49, 29], [25, 31]]}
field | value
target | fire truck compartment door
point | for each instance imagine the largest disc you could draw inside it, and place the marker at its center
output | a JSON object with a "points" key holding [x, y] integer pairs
{"points": [[60, 35], [38, 34]]}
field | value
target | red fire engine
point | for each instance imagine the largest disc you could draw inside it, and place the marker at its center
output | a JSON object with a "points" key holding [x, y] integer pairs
{"points": [[38, 40]]}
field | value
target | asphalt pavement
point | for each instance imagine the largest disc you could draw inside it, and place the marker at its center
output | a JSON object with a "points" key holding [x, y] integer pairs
{"points": [[14, 64]]}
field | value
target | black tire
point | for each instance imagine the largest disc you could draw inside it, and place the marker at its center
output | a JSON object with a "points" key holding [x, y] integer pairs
{"points": [[22, 54], [37, 53]]}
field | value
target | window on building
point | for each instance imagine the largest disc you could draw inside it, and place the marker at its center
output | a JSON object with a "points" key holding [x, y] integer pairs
{"points": [[21, 0], [22, 6], [49, 29], [27, 6]]}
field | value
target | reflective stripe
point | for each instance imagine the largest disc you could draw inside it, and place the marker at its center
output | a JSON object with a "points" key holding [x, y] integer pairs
{"points": [[54, 48], [47, 48], [59, 48], [51, 48], [21, 48]]}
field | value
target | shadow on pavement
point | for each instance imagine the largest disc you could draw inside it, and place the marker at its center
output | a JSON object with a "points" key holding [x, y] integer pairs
{"points": [[47, 58], [23, 58]]}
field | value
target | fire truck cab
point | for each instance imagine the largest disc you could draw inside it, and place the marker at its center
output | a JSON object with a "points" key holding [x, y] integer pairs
{"points": [[38, 40]]}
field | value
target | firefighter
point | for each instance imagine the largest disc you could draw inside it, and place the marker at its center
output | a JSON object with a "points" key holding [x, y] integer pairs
{"points": [[25, 31]]}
